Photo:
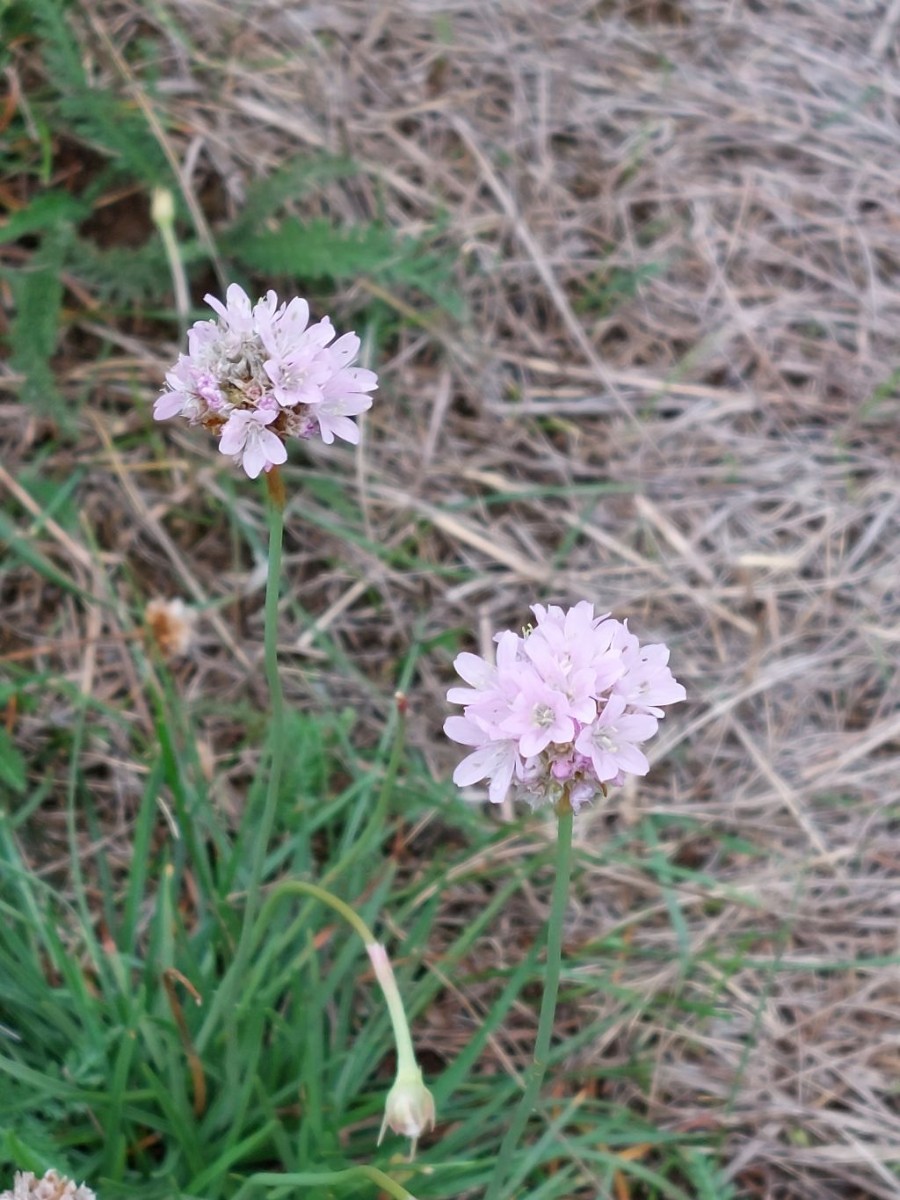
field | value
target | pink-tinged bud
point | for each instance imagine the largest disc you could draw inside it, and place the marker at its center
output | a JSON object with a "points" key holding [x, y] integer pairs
{"points": [[409, 1108]]}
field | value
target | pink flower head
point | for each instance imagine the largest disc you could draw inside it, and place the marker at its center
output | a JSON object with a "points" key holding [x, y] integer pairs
{"points": [[260, 373], [563, 711]]}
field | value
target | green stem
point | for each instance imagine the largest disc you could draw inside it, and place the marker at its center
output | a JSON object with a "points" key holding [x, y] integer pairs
{"points": [[276, 723], [504, 1161], [307, 1179], [234, 977], [406, 1058], [407, 1066], [294, 887]]}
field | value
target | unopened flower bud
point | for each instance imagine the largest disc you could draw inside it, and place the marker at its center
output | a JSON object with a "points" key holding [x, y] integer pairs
{"points": [[409, 1108], [162, 207]]}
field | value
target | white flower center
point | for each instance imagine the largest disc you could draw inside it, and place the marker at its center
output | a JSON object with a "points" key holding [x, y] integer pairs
{"points": [[294, 377]]}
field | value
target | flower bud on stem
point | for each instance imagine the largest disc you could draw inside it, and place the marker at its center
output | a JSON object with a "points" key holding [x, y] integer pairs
{"points": [[162, 210], [409, 1109]]}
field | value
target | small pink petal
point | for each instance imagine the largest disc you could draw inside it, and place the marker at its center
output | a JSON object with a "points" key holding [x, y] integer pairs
{"points": [[273, 446], [254, 458], [169, 404]]}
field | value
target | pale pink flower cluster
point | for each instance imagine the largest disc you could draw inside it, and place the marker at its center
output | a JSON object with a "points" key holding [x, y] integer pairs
{"points": [[261, 373], [565, 709]]}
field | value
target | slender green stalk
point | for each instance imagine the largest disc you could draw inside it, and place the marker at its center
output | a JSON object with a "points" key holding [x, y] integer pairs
{"points": [[504, 1162], [307, 1179], [263, 833], [410, 1106], [406, 1057], [276, 721], [295, 887]]}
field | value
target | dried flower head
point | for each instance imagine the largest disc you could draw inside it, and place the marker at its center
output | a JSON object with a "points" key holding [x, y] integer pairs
{"points": [[171, 625], [261, 373], [564, 710], [52, 1186]]}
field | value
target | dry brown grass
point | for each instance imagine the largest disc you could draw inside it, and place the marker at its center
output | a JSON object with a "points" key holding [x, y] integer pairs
{"points": [[742, 162]]}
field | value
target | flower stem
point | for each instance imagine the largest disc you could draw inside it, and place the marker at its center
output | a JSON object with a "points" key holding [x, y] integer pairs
{"points": [[384, 973], [535, 1077], [306, 1179], [409, 1095], [276, 720], [406, 1057], [300, 887], [260, 836], [162, 210]]}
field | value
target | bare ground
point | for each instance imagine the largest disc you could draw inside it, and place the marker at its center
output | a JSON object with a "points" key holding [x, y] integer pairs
{"points": [[678, 233]]}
